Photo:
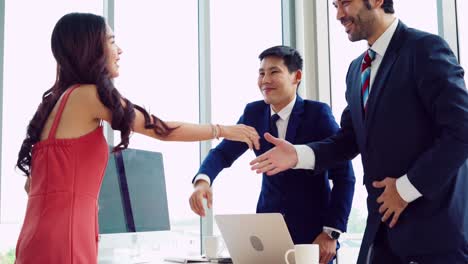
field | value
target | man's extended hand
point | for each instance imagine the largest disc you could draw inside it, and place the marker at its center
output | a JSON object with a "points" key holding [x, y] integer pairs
{"points": [[282, 157], [390, 200], [327, 247], [202, 190]]}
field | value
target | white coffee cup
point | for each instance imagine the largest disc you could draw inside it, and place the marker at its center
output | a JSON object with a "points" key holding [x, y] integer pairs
{"points": [[304, 254], [213, 246]]}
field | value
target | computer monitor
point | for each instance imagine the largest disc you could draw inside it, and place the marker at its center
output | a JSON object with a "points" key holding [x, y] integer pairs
{"points": [[133, 193]]}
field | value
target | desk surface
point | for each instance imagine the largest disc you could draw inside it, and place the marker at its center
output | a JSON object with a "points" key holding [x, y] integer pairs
{"points": [[146, 247], [137, 260], [130, 256]]}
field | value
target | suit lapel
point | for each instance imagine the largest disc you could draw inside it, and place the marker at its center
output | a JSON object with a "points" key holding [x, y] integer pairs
{"points": [[355, 102], [294, 120], [384, 70]]}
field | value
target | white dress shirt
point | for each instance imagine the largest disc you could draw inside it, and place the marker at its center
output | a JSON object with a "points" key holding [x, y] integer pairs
{"points": [[306, 156]]}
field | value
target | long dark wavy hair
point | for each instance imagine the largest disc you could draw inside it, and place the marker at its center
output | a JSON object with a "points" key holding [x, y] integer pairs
{"points": [[79, 47]]}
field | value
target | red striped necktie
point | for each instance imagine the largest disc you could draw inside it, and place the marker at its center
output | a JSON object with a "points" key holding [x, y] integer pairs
{"points": [[365, 76]]}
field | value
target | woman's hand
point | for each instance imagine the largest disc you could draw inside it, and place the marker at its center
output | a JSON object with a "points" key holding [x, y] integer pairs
{"points": [[241, 133]]}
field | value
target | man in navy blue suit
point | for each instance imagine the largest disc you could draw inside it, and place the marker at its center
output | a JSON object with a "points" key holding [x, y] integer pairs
{"points": [[407, 116], [314, 213]]}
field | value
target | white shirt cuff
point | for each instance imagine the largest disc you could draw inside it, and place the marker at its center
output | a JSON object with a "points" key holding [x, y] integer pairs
{"points": [[305, 157], [202, 176], [332, 229], [406, 190]]}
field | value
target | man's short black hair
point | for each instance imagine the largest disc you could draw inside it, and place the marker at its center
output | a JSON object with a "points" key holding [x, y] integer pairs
{"points": [[291, 57], [387, 6]]}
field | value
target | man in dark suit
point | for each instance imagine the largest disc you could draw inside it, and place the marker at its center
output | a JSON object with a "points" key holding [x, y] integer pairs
{"points": [[411, 130], [312, 211]]}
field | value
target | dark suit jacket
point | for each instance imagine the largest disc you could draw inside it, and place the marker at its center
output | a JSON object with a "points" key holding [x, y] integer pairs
{"points": [[304, 198], [416, 124]]}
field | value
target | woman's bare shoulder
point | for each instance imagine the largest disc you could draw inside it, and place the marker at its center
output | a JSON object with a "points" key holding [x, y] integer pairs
{"points": [[88, 97], [86, 91]]}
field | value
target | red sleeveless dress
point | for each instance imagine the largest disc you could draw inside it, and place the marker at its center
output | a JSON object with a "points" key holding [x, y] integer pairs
{"points": [[61, 224]]}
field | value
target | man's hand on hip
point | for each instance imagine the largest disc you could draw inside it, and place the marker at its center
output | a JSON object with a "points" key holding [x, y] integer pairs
{"points": [[390, 200]]}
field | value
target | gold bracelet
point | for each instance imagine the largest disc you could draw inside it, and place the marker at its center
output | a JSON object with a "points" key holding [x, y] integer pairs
{"points": [[218, 134], [214, 131]]}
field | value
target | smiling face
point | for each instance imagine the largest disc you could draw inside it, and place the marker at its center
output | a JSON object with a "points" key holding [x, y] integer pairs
{"points": [[113, 53], [358, 18], [277, 85]]}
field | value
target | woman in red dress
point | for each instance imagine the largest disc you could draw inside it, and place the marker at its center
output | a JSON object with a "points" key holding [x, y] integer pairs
{"points": [[65, 153]]}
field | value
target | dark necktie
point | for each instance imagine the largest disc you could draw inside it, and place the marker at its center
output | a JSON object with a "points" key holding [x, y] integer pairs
{"points": [[365, 76], [273, 127]]}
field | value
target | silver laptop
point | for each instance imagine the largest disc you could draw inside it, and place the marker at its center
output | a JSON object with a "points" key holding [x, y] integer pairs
{"points": [[255, 238]]}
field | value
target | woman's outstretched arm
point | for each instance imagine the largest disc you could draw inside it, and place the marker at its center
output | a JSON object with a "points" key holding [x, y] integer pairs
{"points": [[183, 131]]}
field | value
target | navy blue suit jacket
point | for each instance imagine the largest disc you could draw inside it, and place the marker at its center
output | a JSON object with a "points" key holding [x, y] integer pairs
{"points": [[416, 123], [304, 198]]}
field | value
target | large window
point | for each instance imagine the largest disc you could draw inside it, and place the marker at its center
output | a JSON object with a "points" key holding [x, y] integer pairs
{"points": [[342, 52], [159, 70], [29, 70], [237, 40]]}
